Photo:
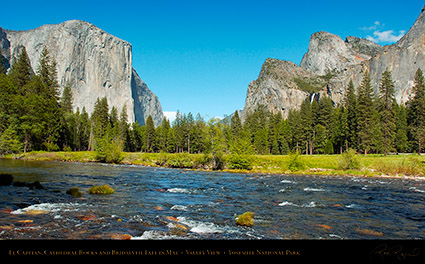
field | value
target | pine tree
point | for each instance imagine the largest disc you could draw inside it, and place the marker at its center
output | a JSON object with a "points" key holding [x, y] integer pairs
{"points": [[319, 139], [99, 122], [216, 143], [135, 138], [365, 106], [178, 132], [67, 98], [84, 130], [162, 133], [307, 126], [295, 123], [21, 71], [113, 119], [416, 111], [124, 129], [8, 102], [325, 112], [47, 73], [339, 132], [401, 139], [199, 132], [386, 110], [236, 124], [150, 134], [350, 103], [69, 120]]}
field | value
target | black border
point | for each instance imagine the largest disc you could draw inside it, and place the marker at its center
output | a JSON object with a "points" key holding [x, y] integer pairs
{"points": [[376, 251]]}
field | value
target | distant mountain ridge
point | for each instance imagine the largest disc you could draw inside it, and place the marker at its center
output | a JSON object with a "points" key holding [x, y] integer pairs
{"points": [[330, 63], [96, 63]]}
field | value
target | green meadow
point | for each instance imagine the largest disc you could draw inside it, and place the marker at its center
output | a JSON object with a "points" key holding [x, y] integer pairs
{"points": [[358, 164]]}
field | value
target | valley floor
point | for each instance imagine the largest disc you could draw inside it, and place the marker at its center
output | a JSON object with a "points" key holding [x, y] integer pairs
{"points": [[407, 165]]}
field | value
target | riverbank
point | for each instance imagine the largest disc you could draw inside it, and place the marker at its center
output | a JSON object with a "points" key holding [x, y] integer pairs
{"points": [[371, 165]]}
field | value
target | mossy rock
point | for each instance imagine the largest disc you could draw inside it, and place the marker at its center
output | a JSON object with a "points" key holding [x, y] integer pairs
{"points": [[74, 192], [245, 219], [104, 189]]}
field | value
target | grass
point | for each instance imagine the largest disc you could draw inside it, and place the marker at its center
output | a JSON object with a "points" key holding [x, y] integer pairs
{"points": [[103, 189], [371, 165]]}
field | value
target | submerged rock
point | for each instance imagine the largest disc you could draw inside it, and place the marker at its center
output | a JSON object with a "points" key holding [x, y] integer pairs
{"points": [[74, 192], [369, 232], [6, 179], [87, 217], [245, 219], [120, 236], [35, 185]]}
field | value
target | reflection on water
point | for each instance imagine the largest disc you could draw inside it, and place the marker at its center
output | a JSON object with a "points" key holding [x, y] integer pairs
{"points": [[158, 203]]}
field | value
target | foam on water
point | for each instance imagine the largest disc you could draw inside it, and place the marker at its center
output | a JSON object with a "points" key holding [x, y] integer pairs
{"points": [[179, 208], [178, 190], [49, 207], [154, 234], [313, 190], [309, 205], [287, 181], [204, 227], [287, 203], [417, 190]]}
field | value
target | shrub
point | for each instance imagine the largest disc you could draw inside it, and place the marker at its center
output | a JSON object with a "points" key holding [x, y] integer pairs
{"points": [[180, 160], [67, 149], [240, 162], [104, 189], [295, 162], [108, 151], [9, 142], [349, 160], [49, 146], [162, 159], [405, 166], [203, 161], [218, 160]]}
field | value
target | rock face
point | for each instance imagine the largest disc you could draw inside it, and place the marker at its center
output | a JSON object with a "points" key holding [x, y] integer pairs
{"points": [[95, 63], [402, 59], [275, 88], [329, 65]]}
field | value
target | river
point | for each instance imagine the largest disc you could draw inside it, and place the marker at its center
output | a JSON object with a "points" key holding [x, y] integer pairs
{"points": [[161, 203]]}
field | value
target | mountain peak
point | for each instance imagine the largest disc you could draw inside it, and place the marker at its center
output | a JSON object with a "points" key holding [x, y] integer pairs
{"points": [[95, 63]]}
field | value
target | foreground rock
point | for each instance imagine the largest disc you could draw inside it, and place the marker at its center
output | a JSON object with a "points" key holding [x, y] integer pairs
{"points": [[245, 219]]}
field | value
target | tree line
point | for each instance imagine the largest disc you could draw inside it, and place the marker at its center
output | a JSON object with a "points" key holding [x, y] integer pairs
{"points": [[33, 116]]}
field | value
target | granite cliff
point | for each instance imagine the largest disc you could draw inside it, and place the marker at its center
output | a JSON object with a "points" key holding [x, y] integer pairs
{"points": [[96, 64], [330, 63]]}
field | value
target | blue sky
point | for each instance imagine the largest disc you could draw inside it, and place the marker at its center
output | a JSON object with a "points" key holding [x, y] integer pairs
{"points": [[200, 56]]}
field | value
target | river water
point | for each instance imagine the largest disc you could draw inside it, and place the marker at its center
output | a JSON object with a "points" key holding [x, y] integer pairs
{"points": [[160, 203]]}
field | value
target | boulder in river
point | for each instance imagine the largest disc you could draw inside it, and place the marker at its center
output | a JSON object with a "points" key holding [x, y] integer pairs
{"points": [[104, 189], [245, 219]]}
